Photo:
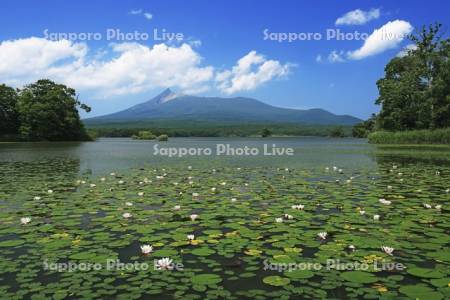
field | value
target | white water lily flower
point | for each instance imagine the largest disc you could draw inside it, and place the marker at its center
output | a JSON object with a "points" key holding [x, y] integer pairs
{"points": [[289, 217], [389, 187], [50, 191], [394, 167], [146, 249], [327, 169], [177, 207], [126, 215], [438, 207], [175, 183], [286, 169], [233, 199], [400, 174], [102, 179], [348, 181], [322, 235], [141, 194], [189, 167], [385, 202], [213, 189], [158, 177], [113, 174], [362, 212], [340, 171], [223, 183], [164, 264], [447, 191], [438, 173], [426, 205], [298, 207], [25, 220], [245, 184], [37, 198], [279, 220], [83, 181], [387, 250], [128, 203], [92, 185], [193, 217], [351, 248], [376, 217], [195, 195], [335, 168], [191, 237], [120, 182]]}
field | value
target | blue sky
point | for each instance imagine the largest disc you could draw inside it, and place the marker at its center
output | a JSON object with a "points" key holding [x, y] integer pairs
{"points": [[223, 51]]}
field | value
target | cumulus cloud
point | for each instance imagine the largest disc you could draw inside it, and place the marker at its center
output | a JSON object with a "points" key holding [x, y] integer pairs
{"points": [[358, 17], [134, 68], [127, 68], [135, 12], [251, 71], [389, 36]]}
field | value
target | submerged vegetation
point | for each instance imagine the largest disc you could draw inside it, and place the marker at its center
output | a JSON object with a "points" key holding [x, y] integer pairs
{"points": [[228, 233]]}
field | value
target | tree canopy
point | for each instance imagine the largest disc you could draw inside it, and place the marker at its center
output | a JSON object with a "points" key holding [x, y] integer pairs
{"points": [[43, 110], [415, 91]]}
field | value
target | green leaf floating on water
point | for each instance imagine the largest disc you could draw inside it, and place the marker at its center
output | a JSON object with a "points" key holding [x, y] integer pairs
{"points": [[299, 274], [420, 292], [206, 279], [11, 243], [425, 273], [203, 251], [359, 277], [276, 280]]}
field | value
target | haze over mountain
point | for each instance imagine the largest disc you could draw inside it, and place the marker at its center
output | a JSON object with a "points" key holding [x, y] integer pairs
{"points": [[171, 106]]}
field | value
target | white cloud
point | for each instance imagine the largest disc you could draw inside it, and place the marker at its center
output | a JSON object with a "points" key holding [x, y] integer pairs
{"points": [[128, 68], [319, 58], [251, 71], [134, 68], [135, 12], [358, 17], [406, 49], [140, 11], [148, 16], [386, 37], [335, 56]]}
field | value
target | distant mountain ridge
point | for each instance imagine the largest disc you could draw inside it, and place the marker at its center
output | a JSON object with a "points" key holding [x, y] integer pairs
{"points": [[171, 106]]}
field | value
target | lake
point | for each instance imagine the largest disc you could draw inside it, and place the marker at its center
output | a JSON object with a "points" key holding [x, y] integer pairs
{"points": [[111, 219]]}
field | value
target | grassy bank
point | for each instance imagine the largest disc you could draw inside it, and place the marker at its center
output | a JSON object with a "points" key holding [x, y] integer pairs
{"points": [[438, 136]]}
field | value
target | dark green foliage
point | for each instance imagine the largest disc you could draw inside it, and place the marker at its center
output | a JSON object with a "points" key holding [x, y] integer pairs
{"points": [[48, 111], [363, 129], [208, 129], [9, 118], [415, 92], [337, 131], [266, 133]]}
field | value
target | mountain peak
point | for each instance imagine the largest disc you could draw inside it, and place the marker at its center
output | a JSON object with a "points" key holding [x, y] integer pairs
{"points": [[165, 96]]}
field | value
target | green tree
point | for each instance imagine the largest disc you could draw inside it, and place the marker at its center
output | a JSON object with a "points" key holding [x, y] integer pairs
{"points": [[415, 91], [48, 111], [9, 117], [337, 131], [266, 133]]}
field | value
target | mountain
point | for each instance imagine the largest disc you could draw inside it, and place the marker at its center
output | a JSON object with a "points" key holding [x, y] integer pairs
{"points": [[171, 106]]}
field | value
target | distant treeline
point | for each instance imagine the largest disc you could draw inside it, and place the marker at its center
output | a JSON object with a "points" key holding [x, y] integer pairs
{"points": [[202, 129]]}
